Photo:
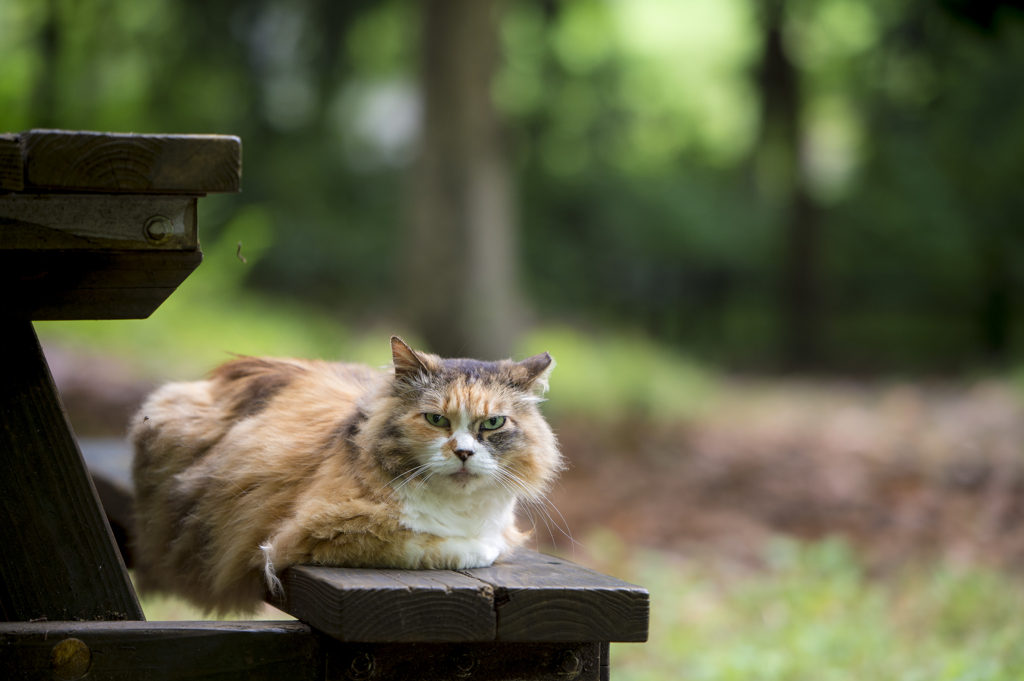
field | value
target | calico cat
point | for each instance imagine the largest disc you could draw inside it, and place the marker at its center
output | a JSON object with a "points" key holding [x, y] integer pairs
{"points": [[278, 462]]}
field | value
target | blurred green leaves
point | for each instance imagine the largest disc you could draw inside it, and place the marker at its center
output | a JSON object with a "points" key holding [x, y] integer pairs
{"points": [[632, 128]]}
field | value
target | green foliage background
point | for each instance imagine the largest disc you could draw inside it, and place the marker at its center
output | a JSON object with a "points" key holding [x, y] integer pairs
{"points": [[633, 129]]}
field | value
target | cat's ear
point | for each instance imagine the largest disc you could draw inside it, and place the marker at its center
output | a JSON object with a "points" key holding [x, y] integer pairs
{"points": [[536, 369], [407, 361]]}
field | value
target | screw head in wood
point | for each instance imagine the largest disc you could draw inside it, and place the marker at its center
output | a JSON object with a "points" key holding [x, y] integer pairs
{"points": [[569, 664], [70, 659], [361, 667], [465, 663], [158, 229]]}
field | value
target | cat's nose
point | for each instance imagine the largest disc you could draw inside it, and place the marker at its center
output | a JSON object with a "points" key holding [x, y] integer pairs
{"points": [[463, 454]]}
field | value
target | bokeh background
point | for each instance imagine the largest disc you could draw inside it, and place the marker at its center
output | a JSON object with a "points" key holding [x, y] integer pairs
{"points": [[776, 247]]}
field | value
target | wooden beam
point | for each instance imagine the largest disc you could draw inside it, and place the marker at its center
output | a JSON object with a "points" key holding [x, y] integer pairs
{"points": [[528, 598], [159, 651], [471, 661], [389, 605], [127, 163], [12, 171], [543, 598], [58, 559], [56, 284], [98, 221]]}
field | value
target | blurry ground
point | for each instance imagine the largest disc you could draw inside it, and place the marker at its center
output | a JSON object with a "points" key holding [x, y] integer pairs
{"points": [[901, 471]]}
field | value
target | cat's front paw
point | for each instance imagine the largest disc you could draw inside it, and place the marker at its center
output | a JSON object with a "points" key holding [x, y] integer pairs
{"points": [[462, 554]]}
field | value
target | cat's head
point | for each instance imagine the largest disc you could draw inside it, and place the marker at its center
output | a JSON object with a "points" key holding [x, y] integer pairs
{"points": [[463, 424]]}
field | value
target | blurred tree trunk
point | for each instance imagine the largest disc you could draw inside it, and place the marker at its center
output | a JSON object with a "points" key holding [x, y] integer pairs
{"points": [[781, 178], [460, 272], [44, 95]]}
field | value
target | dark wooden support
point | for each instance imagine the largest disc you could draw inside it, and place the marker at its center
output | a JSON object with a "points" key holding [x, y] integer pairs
{"points": [[159, 651], [98, 221], [12, 171], [471, 661], [90, 284], [58, 559], [64, 160], [544, 598], [529, 597], [390, 605]]}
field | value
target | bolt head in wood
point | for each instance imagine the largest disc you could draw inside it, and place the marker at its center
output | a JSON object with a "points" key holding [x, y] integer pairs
{"points": [[70, 659], [569, 664], [158, 229], [465, 663], [361, 667]]}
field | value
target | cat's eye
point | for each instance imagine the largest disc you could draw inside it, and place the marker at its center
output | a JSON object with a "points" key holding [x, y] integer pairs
{"points": [[437, 420], [492, 423]]}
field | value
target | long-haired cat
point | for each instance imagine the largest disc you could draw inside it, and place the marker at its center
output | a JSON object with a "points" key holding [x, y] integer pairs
{"points": [[278, 462]]}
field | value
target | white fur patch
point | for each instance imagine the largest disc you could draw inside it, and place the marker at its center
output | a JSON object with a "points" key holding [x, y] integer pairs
{"points": [[269, 574]]}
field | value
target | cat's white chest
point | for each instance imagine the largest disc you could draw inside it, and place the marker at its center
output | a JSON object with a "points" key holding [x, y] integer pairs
{"points": [[473, 528]]}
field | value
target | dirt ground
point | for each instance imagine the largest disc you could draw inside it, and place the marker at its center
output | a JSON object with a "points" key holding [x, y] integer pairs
{"points": [[901, 470]]}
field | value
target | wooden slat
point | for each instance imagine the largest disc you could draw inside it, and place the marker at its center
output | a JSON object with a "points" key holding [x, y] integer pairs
{"points": [[158, 651], [529, 598], [58, 559], [97, 221], [542, 598], [90, 284], [12, 171], [389, 605], [475, 661], [126, 163]]}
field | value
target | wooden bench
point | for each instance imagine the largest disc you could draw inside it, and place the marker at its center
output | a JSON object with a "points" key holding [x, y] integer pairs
{"points": [[98, 226]]}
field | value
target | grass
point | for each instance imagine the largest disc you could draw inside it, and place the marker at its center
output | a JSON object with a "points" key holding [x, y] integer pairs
{"points": [[815, 615]]}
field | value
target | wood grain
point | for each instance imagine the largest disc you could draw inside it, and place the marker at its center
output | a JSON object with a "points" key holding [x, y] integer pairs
{"points": [[158, 651], [127, 163], [54, 284], [542, 598], [529, 598], [389, 605], [58, 559], [98, 221], [12, 171]]}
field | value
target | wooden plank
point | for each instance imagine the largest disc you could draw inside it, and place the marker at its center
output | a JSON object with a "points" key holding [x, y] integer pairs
{"points": [[90, 284], [128, 163], [58, 559], [389, 605], [543, 598], [159, 651], [12, 171], [476, 661], [98, 221]]}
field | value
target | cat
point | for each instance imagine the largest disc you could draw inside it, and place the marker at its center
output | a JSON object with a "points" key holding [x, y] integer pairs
{"points": [[277, 462]]}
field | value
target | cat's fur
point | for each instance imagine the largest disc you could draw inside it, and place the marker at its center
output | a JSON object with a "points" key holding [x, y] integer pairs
{"points": [[277, 462]]}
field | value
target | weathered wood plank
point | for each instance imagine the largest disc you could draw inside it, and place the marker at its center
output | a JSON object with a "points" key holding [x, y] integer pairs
{"points": [[12, 171], [389, 605], [90, 284], [128, 163], [476, 661], [58, 558], [97, 221], [543, 598], [160, 651]]}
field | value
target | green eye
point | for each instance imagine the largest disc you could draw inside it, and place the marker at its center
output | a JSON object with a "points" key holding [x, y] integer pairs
{"points": [[437, 420], [493, 423]]}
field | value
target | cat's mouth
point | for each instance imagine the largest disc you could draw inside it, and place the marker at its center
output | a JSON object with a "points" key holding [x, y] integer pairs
{"points": [[462, 474]]}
